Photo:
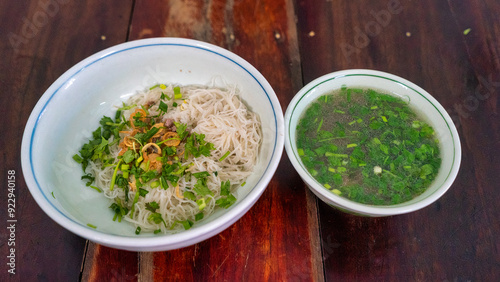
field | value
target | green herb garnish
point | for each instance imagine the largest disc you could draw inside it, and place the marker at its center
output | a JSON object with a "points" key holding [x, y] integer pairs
{"points": [[142, 156], [120, 211], [156, 218], [152, 206], [368, 146], [224, 156], [163, 107]]}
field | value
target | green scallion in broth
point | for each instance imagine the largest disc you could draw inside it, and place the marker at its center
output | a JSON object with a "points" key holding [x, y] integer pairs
{"points": [[368, 146]]}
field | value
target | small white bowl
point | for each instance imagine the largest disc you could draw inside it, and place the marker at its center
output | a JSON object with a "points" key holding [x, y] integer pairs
{"points": [[420, 101], [71, 108]]}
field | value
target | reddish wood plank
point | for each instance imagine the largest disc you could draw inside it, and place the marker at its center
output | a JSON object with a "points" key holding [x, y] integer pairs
{"points": [[273, 240], [462, 71], [107, 264], [40, 40], [455, 238]]}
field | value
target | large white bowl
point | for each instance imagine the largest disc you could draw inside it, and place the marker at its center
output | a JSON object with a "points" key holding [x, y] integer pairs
{"points": [[71, 108], [420, 100]]}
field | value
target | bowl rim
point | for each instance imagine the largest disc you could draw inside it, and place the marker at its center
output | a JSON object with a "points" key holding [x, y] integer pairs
{"points": [[351, 206], [165, 241]]}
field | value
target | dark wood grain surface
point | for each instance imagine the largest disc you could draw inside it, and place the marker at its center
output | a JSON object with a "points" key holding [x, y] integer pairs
{"points": [[288, 235], [456, 238]]}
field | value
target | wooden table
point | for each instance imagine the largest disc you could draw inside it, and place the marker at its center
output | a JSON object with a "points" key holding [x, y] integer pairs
{"points": [[450, 48]]}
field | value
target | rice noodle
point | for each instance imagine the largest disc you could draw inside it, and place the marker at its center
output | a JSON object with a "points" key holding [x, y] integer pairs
{"points": [[225, 121]]}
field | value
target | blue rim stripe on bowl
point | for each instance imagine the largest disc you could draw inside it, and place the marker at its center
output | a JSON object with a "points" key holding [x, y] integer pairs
{"points": [[382, 77], [127, 49]]}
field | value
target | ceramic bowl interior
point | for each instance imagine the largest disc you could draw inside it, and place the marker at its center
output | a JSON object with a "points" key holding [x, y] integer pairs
{"points": [[419, 100], [71, 108]]}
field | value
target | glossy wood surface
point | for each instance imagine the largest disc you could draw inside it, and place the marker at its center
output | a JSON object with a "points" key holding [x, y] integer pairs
{"points": [[288, 235]]}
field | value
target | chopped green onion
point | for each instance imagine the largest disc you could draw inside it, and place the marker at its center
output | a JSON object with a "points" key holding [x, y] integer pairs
{"points": [[53, 195], [177, 93], [199, 216], [92, 226], [112, 123], [201, 203], [95, 188], [187, 224], [143, 192], [154, 86], [164, 96], [138, 230], [136, 198], [163, 86], [113, 178], [336, 191], [300, 152], [341, 169], [390, 173], [327, 186], [145, 109], [161, 142], [163, 183], [319, 126], [243, 184], [77, 158], [224, 156], [329, 154], [139, 160], [125, 107], [351, 145], [163, 107], [384, 118], [155, 184]]}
